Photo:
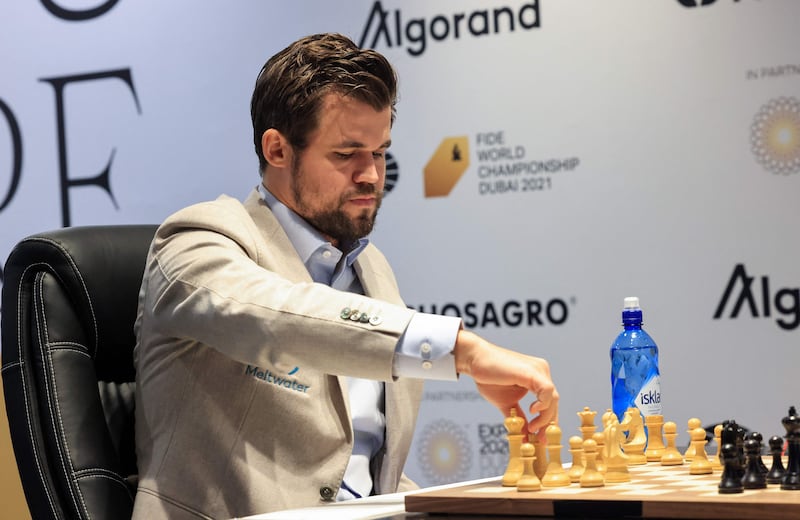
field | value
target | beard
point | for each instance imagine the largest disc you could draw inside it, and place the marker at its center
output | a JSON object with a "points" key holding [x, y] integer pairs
{"points": [[334, 222]]}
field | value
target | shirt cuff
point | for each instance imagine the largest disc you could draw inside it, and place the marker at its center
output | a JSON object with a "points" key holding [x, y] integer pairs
{"points": [[425, 350]]}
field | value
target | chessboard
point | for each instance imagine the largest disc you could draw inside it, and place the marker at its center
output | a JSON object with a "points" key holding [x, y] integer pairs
{"points": [[655, 491]]}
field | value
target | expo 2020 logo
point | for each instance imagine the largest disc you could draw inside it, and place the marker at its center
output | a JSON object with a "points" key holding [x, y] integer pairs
{"points": [[775, 136], [444, 452]]}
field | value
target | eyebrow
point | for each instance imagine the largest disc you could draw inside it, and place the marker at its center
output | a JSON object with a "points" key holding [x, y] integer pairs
{"points": [[357, 144]]}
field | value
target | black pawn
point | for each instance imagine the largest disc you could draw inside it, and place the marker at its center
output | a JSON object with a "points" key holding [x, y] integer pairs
{"points": [[730, 482], [791, 478], [730, 435], [777, 470], [753, 478], [760, 439]]}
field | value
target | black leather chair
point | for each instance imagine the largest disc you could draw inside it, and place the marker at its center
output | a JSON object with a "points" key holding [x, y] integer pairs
{"points": [[68, 307]]}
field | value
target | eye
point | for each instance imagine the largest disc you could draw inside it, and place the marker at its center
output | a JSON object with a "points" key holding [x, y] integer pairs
{"points": [[342, 155], [378, 155]]}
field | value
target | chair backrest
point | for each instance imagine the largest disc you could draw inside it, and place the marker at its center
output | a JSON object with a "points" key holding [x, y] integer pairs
{"points": [[68, 308]]}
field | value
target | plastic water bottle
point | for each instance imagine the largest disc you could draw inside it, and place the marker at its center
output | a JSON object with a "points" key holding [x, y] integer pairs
{"points": [[635, 380]]}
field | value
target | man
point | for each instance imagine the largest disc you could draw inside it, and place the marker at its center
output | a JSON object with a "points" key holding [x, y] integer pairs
{"points": [[277, 366]]}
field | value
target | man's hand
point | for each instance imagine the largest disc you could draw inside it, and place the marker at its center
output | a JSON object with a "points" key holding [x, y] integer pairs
{"points": [[503, 377]]}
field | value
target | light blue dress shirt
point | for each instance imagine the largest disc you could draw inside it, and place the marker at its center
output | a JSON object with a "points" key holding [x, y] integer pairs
{"points": [[424, 351]]}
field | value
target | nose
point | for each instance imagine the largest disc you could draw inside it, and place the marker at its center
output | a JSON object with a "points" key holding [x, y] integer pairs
{"points": [[369, 171]]}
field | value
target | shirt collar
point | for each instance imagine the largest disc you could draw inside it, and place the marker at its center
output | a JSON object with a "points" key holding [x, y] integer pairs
{"points": [[305, 239]]}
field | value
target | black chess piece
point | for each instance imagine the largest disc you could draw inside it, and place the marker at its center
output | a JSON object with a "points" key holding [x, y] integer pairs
{"points": [[756, 436], [753, 478], [791, 478], [740, 446], [730, 435], [777, 470], [730, 482]]}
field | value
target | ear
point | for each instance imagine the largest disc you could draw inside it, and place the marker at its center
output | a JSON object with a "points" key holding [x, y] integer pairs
{"points": [[275, 148]]}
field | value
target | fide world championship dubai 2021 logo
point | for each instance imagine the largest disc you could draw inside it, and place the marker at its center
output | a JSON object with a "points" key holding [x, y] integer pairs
{"points": [[444, 452], [446, 166], [775, 136]]}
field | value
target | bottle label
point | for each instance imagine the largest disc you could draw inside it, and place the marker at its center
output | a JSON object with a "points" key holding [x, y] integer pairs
{"points": [[649, 399]]}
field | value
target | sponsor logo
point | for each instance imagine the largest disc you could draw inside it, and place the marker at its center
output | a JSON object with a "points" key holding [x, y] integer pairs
{"points": [[492, 448], [394, 28], [510, 313], [444, 452], [699, 3], [446, 166], [759, 300], [392, 173], [276, 379], [502, 166], [775, 136], [649, 400], [451, 396]]}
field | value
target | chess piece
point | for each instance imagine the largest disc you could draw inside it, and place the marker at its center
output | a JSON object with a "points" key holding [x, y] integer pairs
{"points": [[730, 482], [587, 427], [540, 462], [693, 423], [776, 472], [730, 435], [616, 462], [600, 462], [756, 436], [607, 416], [753, 478], [591, 477], [655, 441], [576, 451], [791, 477], [716, 460], [555, 475], [700, 464], [514, 426], [637, 439], [740, 445], [528, 481], [671, 456]]}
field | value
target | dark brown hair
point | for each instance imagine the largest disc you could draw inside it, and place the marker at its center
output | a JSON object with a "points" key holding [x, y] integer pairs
{"points": [[291, 85]]}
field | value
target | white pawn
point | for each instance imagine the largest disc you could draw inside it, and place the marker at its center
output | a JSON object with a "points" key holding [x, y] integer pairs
{"points": [[555, 476], [671, 455], [700, 464], [528, 481], [576, 451], [591, 477], [693, 423]]}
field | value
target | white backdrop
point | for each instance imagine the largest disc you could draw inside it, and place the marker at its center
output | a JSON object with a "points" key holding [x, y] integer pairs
{"points": [[614, 148]]}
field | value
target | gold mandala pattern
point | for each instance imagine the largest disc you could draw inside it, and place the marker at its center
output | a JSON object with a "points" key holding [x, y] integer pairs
{"points": [[775, 136], [444, 453]]}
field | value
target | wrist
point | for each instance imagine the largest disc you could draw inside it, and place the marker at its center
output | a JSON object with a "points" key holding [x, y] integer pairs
{"points": [[464, 350]]}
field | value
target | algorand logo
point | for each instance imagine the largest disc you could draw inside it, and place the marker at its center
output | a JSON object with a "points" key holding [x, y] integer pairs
{"points": [[761, 301], [446, 166], [775, 136], [391, 28]]}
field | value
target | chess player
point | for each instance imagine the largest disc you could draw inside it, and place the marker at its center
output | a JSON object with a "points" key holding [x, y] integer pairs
{"points": [[277, 366]]}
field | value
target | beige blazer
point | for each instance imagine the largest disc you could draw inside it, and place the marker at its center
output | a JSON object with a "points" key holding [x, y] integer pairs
{"points": [[241, 400]]}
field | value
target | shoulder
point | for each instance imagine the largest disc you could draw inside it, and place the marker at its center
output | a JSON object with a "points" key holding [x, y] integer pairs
{"points": [[223, 219]]}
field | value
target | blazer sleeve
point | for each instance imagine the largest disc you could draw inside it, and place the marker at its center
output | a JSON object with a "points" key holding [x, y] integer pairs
{"points": [[212, 278]]}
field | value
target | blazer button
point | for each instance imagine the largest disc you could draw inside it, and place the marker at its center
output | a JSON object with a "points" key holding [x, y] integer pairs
{"points": [[326, 493]]}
